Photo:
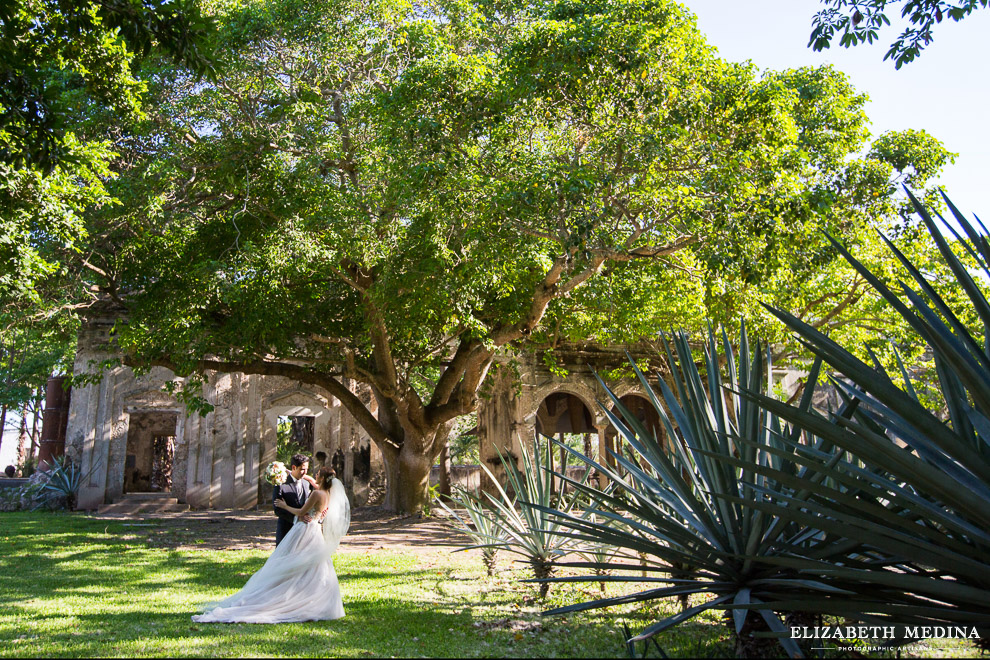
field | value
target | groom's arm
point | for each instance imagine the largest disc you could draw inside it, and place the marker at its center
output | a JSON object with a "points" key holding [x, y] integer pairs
{"points": [[302, 512], [306, 515]]}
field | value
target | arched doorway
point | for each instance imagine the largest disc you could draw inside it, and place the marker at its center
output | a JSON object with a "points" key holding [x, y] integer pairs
{"points": [[566, 417]]}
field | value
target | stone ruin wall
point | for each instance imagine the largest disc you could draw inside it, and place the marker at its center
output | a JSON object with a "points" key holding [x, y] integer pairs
{"points": [[520, 383], [219, 457], [507, 417]]}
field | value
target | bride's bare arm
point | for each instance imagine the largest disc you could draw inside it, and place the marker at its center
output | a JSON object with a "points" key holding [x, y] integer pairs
{"points": [[309, 504]]}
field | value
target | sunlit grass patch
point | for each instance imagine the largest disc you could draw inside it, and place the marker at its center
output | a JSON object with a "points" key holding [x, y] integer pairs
{"points": [[73, 586]]}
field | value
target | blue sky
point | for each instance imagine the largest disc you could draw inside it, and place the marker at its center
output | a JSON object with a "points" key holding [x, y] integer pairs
{"points": [[945, 91]]}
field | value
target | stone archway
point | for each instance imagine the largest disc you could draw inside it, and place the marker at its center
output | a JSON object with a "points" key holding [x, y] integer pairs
{"points": [[294, 403], [333, 444], [568, 419]]}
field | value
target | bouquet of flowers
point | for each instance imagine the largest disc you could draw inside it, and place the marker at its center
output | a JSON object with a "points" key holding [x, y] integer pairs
{"points": [[275, 473]]}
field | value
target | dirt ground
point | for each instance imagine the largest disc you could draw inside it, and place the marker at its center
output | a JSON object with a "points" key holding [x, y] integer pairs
{"points": [[371, 528]]}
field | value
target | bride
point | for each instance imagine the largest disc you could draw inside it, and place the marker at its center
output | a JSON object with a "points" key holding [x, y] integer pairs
{"points": [[298, 582]]}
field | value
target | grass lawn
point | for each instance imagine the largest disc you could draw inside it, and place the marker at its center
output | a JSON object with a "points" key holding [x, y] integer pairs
{"points": [[74, 586]]}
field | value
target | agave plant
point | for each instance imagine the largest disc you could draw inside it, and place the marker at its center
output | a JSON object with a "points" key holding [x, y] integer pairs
{"points": [[913, 488], [527, 531], [57, 486], [481, 525], [673, 504], [599, 557]]}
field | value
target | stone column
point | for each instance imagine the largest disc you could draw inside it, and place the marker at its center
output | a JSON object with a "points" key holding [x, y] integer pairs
{"points": [[498, 425], [199, 474], [250, 455], [91, 412]]}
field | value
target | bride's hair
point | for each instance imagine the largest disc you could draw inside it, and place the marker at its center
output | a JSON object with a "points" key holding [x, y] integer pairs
{"points": [[325, 476]]}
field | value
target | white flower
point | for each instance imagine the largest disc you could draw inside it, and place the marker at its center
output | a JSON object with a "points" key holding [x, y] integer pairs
{"points": [[275, 473]]}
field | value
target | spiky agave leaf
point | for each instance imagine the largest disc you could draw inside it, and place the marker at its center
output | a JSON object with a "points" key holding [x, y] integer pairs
{"points": [[913, 488]]}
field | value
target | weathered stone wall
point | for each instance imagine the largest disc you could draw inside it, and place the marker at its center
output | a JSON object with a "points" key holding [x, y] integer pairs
{"points": [[219, 457], [508, 411]]}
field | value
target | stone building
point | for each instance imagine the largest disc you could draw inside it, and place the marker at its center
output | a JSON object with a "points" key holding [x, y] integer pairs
{"points": [[130, 436], [526, 399]]}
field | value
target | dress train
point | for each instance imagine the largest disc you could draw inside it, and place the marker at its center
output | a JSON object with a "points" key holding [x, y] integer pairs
{"points": [[297, 582]]}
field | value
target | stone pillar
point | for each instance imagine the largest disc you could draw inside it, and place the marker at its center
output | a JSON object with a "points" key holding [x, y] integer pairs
{"points": [[199, 466], [250, 454], [498, 425], [91, 414], [225, 436], [601, 426]]}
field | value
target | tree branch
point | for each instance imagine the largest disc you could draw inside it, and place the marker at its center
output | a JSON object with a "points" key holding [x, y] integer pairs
{"points": [[348, 399]]}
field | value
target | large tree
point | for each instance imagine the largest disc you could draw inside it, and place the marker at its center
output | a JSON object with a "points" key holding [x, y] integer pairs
{"points": [[392, 193]]}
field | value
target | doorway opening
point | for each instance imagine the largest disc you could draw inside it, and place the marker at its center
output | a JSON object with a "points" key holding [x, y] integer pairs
{"points": [[296, 435], [150, 452]]}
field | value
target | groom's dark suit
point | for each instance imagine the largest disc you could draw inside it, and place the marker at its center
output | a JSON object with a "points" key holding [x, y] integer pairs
{"points": [[294, 492]]}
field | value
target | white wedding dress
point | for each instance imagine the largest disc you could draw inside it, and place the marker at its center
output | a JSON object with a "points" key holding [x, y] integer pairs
{"points": [[298, 582]]}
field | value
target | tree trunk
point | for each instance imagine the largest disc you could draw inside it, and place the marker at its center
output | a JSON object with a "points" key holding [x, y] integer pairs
{"points": [[407, 479], [747, 645], [22, 446], [3, 425], [542, 570], [408, 455], [681, 572], [490, 557], [302, 433], [444, 485], [35, 434]]}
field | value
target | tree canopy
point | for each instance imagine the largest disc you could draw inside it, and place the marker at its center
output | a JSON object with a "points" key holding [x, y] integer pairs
{"points": [[858, 21], [66, 74], [392, 193]]}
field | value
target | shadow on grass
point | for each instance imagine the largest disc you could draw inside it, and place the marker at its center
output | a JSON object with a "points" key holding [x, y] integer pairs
{"points": [[74, 587], [370, 628]]}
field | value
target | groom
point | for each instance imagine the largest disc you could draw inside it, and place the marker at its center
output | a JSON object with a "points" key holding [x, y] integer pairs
{"points": [[294, 491]]}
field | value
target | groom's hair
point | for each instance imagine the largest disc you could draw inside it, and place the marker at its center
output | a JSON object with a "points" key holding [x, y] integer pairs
{"points": [[298, 459]]}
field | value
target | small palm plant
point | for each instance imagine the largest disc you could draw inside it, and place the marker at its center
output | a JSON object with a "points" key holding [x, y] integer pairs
{"points": [[528, 531], [672, 503]]}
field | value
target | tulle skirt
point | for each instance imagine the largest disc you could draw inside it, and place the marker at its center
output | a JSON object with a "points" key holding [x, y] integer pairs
{"points": [[297, 583]]}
